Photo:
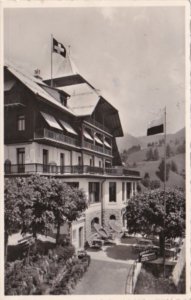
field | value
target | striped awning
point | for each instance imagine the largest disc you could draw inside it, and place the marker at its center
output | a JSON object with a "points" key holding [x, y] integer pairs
{"points": [[98, 140], [68, 127], [107, 144], [51, 121], [87, 135]]}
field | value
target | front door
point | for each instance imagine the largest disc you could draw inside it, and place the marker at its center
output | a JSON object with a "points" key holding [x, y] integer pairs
{"points": [[45, 160], [21, 160]]}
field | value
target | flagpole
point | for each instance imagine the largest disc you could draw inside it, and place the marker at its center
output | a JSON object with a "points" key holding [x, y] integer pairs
{"points": [[164, 190], [51, 60]]}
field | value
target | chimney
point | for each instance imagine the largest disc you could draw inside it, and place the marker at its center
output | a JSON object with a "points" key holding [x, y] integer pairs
{"points": [[37, 74]]}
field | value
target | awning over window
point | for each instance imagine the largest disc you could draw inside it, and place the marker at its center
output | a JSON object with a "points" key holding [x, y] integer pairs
{"points": [[51, 121], [87, 135], [98, 140], [107, 144], [68, 127]]}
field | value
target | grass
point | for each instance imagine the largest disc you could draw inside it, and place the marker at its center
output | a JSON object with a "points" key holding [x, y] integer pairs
{"points": [[121, 252], [149, 284]]}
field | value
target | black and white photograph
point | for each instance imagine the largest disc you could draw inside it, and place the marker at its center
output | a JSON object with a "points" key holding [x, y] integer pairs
{"points": [[95, 159]]}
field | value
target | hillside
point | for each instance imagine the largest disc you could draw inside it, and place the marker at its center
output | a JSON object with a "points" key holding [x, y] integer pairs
{"points": [[175, 179], [128, 140], [137, 160]]}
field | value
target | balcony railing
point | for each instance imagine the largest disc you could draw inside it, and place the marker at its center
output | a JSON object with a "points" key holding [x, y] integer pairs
{"points": [[97, 124], [97, 148], [13, 101], [54, 169], [59, 137], [45, 133]]}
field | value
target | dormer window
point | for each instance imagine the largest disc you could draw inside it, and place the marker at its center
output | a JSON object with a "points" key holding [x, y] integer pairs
{"points": [[21, 123]]}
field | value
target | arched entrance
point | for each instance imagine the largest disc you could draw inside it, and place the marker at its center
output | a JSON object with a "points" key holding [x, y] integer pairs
{"points": [[95, 220]]}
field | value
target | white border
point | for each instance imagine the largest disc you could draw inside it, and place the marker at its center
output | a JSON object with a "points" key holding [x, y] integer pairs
{"points": [[101, 3]]}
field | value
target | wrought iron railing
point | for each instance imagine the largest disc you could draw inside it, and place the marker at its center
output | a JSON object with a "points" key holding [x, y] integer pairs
{"points": [[59, 137], [77, 169], [96, 148], [97, 124]]}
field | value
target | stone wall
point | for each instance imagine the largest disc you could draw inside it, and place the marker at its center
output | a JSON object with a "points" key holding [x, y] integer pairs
{"points": [[107, 213]]}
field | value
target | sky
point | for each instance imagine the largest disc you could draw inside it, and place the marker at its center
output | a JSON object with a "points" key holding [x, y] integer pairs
{"points": [[135, 56]]}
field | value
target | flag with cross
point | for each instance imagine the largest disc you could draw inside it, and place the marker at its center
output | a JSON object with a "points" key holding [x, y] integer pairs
{"points": [[59, 48]]}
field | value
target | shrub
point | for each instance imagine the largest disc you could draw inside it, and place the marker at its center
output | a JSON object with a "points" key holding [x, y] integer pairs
{"points": [[154, 184]]}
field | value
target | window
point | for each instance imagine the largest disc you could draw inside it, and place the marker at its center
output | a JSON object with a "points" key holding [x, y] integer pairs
{"points": [[45, 160], [133, 188], [79, 160], [123, 191], [92, 162], [94, 192], [112, 191], [21, 160], [100, 163], [73, 184], [21, 123], [128, 188], [62, 162]]}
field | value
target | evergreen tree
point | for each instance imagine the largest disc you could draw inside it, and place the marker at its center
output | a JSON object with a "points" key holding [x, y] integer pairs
{"points": [[156, 154], [149, 154], [160, 172]]}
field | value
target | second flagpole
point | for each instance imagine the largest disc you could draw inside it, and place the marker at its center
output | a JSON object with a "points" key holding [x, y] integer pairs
{"points": [[164, 190], [51, 61]]}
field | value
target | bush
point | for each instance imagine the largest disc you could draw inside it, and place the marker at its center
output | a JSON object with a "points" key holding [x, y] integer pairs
{"points": [[154, 184], [33, 276], [76, 269], [64, 253]]}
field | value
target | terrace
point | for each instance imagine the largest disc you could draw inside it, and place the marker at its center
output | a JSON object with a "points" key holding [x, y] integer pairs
{"points": [[61, 170]]}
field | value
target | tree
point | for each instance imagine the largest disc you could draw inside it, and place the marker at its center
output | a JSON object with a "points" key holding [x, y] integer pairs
{"points": [[124, 157], [173, 166], [154, 184], [67, 204], [12, 216], [36, 210], [168, 151], [155, 154], [160, 172], [146, 180], [145, 215], [149, 154]]}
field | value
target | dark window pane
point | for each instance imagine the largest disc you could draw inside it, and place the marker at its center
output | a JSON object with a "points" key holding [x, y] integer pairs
{"points": [[112, 192]]}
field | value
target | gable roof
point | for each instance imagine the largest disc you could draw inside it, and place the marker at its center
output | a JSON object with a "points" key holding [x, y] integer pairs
{"points": [[34, 85]]}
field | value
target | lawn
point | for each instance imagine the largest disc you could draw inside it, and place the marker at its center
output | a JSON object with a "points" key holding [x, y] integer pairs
{"points": [[149, 284], [121, 252]]}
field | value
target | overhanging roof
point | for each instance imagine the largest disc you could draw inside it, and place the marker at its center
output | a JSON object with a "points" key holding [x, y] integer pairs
{"points": [[111, 117], [34, 85]]}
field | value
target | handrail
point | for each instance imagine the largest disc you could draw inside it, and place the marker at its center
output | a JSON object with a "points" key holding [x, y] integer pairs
{"points": [[66, 169]]}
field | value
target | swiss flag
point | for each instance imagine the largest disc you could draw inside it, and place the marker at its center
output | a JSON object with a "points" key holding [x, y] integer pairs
{"points": [[59, 48]]}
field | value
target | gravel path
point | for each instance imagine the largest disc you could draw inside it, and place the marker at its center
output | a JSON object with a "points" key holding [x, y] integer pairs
{"points": [[103, 277]]}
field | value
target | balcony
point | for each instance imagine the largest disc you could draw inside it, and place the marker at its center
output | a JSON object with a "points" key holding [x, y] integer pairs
{"points": [[13, 101], [59, 170], [97, 124], [45, 133], [97, 148]]}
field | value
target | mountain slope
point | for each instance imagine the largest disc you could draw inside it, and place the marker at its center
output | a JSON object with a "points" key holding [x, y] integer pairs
{"points": [[128, 140]]}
